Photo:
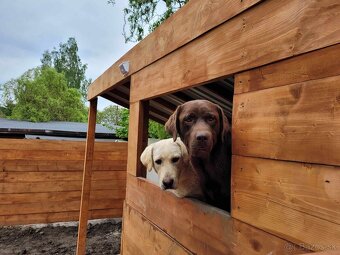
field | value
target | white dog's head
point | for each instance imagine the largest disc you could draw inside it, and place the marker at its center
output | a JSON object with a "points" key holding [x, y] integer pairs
{"points": [[167, 158]]}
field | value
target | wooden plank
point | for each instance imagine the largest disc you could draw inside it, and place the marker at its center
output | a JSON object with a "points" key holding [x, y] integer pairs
{"points": [[21, 198], [268, 32], [200, 228], [60, 165], [143, 237], [310, 66], [86, 186], [295, 201], [12, 154], [64, 206], [194, 19], [28, 177], [11, 220], [43, 145], [298, 122], [52, 186], [138, 137]]}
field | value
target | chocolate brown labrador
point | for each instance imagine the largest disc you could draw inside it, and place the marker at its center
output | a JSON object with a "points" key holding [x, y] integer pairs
{"points": [[205, 131]]}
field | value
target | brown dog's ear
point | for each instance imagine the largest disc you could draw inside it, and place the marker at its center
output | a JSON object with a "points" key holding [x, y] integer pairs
{"points": [[184, 150], [147, 157], [224, 123], [172, 125]]}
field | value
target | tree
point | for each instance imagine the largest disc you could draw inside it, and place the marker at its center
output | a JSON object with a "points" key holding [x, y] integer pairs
{"points": [[122, 130], [66, 60], [42, 94], [143, 16], [110, 116], [155, 129]]}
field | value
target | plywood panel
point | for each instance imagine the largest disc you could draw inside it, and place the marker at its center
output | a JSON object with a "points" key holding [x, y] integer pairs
{"points": [[310, 66], [271, 31], [298, 122], [143, 237], [296, 201], [200, 228], [189, 22]]}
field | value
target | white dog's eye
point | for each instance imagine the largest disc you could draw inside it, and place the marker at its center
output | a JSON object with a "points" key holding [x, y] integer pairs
{"points": [[174, 160], [158, 161]]}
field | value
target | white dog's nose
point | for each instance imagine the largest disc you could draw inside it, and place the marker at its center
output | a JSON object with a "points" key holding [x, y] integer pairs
{"points": [[168, 183]]}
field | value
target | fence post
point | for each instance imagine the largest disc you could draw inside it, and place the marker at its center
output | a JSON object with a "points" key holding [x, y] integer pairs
{"points": [[86, 186]]}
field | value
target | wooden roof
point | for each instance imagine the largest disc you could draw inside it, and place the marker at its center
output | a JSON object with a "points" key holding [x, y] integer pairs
{"points": [[160, 108]]}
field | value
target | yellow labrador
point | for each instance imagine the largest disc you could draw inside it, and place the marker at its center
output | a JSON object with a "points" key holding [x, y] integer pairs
{"points": [[171, 162]]}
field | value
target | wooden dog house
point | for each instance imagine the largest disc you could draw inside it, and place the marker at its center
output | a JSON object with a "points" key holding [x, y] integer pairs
{"points": [[274, 67]]}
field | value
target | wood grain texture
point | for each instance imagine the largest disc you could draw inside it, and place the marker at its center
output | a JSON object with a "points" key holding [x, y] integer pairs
{"points": [[138, 137], [24, 165], [200, 228], [295, 201], [194, 19], [329, 252], [38, 218], [59, 186], [268, 32], [34, 189], [310, 66], [87, 176], [143, 237], [298, 122]]}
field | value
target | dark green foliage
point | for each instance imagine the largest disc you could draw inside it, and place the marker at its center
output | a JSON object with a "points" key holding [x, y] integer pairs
{"points": [[144, 16], [155, 129], [110, 116], [66, 60], [42, 94], [122, 131]]}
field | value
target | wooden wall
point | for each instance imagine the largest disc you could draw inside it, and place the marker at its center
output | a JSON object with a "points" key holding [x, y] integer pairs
{"points": [[40, 180], [286, 146]]}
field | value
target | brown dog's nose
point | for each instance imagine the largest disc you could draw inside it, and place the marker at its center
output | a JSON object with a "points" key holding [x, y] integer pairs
{"points": [[201, 137], [168, 183]]}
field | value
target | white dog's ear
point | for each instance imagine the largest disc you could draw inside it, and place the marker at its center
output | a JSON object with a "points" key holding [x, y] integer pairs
{"points": [[147, 157], [185, 154]]}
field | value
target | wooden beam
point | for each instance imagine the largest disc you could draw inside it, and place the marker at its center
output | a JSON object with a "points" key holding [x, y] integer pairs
{"points": [[191, 21], [86, 187], [202, 229], [297, 122], [295, 201], [142, 237], [310, 66], [268, 32], [138, 137]]}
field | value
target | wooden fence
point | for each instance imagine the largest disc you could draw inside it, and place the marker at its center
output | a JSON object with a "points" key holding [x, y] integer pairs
{"points": [[40, 180]]}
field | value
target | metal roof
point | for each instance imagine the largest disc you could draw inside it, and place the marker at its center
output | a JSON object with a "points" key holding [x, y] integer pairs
{"points": [[53, 128]]}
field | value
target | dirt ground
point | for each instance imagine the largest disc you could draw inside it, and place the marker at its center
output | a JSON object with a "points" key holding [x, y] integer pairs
{"points": [[103, 238]]}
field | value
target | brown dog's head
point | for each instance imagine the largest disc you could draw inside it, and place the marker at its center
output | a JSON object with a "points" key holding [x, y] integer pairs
{"points": [[200, 124]]}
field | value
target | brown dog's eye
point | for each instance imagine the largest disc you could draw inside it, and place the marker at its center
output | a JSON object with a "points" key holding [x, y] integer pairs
{"points": [[158, 161], [211, 118], [189, 118], [174, 160]]}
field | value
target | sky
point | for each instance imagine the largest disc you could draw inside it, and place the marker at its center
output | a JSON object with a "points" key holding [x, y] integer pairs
{"points": [[28, 28]]}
